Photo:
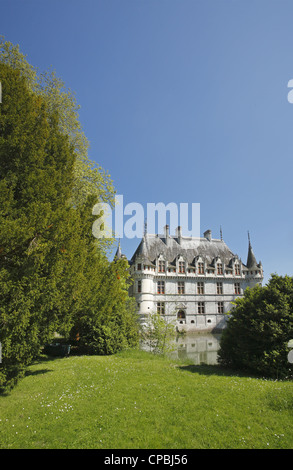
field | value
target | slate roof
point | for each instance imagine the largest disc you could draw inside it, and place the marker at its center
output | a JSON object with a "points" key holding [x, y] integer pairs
{"points": [[151, 246]]}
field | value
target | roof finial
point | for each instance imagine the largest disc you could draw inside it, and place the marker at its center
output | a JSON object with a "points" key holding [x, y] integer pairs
{"points": [[221, 233], [248, 237], [145, 226]]}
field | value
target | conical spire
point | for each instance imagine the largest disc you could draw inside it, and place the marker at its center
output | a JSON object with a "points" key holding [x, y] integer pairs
{"points": [[142, 249], [251, 260]]}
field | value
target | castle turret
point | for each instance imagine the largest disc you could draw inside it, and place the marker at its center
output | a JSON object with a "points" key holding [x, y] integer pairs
{"points": [[142, 249], [254, 273], [251, 260]]}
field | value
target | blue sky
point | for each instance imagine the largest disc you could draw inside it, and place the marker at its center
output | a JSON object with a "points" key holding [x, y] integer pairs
{"points": [[182, 101]]}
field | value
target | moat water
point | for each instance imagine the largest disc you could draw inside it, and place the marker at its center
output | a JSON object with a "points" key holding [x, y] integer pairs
{"points": [[201, 348]]}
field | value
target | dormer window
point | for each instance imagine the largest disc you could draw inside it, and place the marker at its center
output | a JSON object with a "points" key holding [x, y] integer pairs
{"points": [[219, 268], [181, 267], [237, 270], [161, 267], [200, 268]]}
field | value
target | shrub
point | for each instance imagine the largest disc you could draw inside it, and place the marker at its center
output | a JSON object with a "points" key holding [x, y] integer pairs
{"points": [[258, 331], [158, 334]]}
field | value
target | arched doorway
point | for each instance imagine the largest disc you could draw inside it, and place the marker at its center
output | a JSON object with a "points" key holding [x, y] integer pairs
{"points": [[181, 316]]}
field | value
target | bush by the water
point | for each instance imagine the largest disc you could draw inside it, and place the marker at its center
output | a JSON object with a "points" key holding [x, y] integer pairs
{"points": [[259, 329]]}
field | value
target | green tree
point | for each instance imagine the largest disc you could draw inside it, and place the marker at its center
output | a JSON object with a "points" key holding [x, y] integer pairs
{"points": [[54, 275], [38, 223], [258, 331], [108, 321], [158, 334]]}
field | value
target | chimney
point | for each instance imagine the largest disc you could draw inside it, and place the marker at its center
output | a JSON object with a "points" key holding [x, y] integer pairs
{"points": [[166, 233], [208, 235], [178, 234]]}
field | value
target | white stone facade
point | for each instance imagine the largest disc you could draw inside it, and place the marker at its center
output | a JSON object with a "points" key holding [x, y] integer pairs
{"points": [[190, 281]]}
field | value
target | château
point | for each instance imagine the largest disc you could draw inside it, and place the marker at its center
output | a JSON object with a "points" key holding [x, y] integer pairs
{"points": [[190, 280]]}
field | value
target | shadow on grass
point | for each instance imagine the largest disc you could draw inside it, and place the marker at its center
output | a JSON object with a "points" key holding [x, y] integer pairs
{"points": [[17, 375], [204, 369], [37, 372]]}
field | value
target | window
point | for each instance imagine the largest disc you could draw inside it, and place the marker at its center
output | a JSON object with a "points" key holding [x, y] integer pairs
{"points": [[200, 268], [237, 270], [200, 307], [181, 288], [220, 307], [219, 268], [181, 267], [219, 288], [138, 286], [237, 288], [181, 315], [200, 288], [139, 267], [161, 287], [161, 308], [161, 266]]}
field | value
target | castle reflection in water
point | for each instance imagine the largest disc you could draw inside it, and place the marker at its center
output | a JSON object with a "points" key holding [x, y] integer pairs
{"points": [[200, 348]]}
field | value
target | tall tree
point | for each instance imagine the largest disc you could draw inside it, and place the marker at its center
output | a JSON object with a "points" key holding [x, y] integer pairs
{"points": [[40, 229], [54, 275]]}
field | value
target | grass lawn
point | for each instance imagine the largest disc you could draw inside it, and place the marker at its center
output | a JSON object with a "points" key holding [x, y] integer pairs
{"points": [[135, 400]]}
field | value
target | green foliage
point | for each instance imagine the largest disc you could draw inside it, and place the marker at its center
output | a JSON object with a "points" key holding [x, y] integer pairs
{"points": [[158, 334], [109, 323], [37, 174], [54, 275], [259, 329]]}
